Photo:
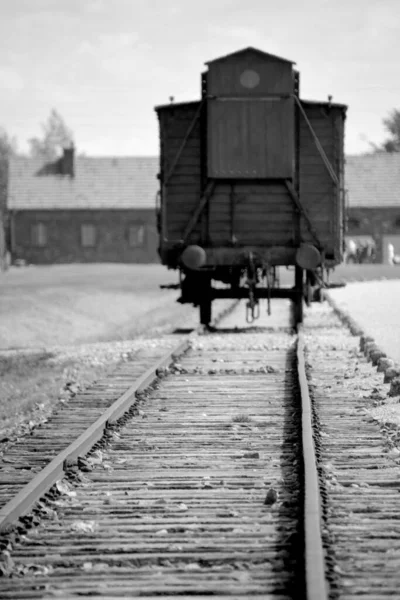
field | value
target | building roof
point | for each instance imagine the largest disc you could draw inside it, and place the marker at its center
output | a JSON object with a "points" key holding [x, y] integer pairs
{"points": [[373, 180], [99, 183]]}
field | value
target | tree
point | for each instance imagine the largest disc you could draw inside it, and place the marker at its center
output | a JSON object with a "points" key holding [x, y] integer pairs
{"points": [[8, 147], [392, 126], [56, 135]]}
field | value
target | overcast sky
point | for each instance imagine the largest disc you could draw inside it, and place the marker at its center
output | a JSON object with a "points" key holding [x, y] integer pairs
{"points": [[105, 64]]}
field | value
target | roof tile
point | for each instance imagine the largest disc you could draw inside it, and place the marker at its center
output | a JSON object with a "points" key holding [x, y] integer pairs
{"points": [[373, 180], [99, 183]]}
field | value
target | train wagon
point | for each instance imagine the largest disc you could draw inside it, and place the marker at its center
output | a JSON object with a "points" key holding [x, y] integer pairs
{"points": [[251, 179]]}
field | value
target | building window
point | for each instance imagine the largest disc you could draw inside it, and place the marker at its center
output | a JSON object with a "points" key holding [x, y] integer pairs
{"points": [[39, 234], [88, 235], [353, 224], [136, 235], [397, 224]]}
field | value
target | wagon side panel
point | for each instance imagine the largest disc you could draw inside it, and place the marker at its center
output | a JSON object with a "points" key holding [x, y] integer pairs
{"points": [[320, 195], [180, 163], [340, 161]]}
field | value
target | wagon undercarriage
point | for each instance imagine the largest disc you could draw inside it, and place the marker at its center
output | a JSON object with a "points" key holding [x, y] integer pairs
{"points": [[252, 284]]}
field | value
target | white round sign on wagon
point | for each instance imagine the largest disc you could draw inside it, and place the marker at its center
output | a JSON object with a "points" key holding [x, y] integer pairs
{"points": [[249, 79]]}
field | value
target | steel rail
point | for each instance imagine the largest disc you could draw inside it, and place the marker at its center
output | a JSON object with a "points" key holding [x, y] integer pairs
{"points": [[22, 502], [315, 580], [42, 482]]}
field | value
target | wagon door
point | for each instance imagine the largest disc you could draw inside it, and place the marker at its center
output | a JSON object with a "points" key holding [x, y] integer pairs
{"points": [[250, 128], [250, 138]]}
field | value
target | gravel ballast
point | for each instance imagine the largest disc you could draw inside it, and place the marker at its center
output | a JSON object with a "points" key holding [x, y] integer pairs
{"points": [[371, 309], [375, 307]]}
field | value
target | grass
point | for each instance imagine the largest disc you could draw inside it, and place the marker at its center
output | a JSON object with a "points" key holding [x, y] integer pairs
{"points": [[241, 418], [46, 309], [31, 385], [74, 304], [20, 375]]}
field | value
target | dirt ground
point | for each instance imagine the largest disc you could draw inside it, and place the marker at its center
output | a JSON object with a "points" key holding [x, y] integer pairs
{"points": [[350, 273], [375, 307]]}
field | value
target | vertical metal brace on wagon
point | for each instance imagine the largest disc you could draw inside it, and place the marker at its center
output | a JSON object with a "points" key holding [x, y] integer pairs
{"points": [[198, 210], [270, 280], [253, 303]]}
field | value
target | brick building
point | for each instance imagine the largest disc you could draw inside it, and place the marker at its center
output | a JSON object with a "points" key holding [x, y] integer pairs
{"points": [[103, 209], [373, 200], [83, 209]]}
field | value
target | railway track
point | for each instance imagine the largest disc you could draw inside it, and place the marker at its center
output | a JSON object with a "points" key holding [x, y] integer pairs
{"points": [[31, 465], [358, 449], [195, 491], [208, 484]]}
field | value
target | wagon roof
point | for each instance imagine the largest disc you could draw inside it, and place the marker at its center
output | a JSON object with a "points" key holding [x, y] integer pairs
{"points": [[250, 49], [324, 104], [172, 104]]}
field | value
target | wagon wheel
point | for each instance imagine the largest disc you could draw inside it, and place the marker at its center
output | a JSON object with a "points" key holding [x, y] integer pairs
{"points": [[308, 292], [205, 311], [298, 309], [298, 296], [317, 295], [310, 289], [205, 300]]}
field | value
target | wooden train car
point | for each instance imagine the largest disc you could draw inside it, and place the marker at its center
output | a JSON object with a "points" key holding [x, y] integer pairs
{"points": [[251, 179]]}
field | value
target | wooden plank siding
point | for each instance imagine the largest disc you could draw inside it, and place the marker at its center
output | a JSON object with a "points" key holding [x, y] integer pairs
{"points": [[250, 139], [263, 214], [183, 187], [318, 193], [276, 75], [250, 116]]}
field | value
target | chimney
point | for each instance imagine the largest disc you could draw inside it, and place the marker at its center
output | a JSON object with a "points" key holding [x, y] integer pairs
{"points": [[67, 161]]}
